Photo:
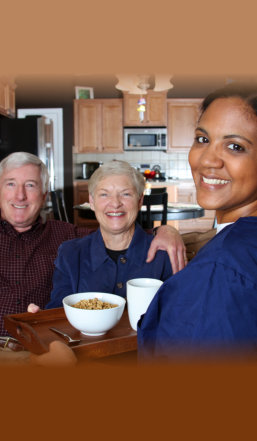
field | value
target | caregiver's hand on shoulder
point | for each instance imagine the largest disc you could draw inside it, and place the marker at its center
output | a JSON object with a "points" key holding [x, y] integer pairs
{"points": [[168, 239]]}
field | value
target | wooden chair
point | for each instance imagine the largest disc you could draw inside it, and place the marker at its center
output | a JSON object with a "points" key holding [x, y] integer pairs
{"points": [[195, 240], [58, 204], [149, 200]]}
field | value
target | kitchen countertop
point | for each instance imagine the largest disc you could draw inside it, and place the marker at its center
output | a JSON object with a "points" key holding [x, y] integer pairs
{"points": [[152, 182], [167, 181]]}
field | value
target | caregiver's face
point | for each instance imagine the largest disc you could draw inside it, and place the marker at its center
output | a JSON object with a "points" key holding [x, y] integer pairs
{"points": [[223, 159]]}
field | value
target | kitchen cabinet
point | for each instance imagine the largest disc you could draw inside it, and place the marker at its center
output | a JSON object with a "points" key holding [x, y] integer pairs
{"points": [[182, 116], [172, 190], [7, 97], [98, 126], [81, 195], [155, 113]]}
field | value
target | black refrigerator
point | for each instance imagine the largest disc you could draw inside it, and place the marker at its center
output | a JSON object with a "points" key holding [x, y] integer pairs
{"points": [[33, 134]]}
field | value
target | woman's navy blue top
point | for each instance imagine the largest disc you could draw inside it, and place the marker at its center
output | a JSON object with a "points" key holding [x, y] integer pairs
{"points": [[83, 265]]}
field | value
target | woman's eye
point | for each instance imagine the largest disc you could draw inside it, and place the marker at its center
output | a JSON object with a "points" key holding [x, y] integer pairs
{"points": [[236, 147], [201, 139]]}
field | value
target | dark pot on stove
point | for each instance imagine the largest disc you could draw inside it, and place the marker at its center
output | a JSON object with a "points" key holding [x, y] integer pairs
{"points": [[88, 168]]}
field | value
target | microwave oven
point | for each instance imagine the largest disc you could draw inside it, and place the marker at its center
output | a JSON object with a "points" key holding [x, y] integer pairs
{"points": [[145, 138]]}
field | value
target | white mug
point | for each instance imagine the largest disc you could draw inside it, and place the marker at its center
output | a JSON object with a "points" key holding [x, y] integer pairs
{"points": [[140, 293]]}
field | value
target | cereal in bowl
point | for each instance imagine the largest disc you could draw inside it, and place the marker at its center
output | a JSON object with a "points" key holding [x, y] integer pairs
{"points": [[93, 304]]}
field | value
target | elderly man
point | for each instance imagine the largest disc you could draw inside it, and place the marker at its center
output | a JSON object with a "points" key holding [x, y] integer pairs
{"points": [[28, 246]]}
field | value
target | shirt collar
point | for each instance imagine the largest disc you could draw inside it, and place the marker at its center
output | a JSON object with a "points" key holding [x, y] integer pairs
{"points": [[99, 255], [7, 228], [221, 226]]}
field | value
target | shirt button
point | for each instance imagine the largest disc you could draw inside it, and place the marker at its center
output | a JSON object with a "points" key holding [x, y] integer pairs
{"points": [[18, 302], [123, 259], [119, 285]]}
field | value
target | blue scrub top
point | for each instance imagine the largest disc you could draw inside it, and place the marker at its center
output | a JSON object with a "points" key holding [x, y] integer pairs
{"points": [[212, 303]]}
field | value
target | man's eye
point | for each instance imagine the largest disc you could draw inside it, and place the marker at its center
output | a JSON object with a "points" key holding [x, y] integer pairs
{"points": [[201, 139], [10, 184], [236, 147]]}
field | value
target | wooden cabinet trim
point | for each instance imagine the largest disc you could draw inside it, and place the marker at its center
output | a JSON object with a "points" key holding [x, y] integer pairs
{"points": [[151, 118], [92, 133], [182, 115], [7, 97]]}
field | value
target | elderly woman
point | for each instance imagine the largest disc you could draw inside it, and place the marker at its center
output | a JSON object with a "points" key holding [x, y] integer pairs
{"points": [[212, 303], [117, 251]]}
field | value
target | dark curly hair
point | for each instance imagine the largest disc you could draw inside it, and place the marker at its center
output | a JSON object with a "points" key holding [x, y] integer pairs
{"points": [[247, 92]]}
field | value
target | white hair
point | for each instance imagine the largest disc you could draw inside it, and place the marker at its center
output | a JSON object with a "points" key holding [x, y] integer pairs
{"points": [[18, 159], [116, 167]]}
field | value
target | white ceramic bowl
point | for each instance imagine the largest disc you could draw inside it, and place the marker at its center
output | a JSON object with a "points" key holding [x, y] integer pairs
{"points": [[91, 321]]}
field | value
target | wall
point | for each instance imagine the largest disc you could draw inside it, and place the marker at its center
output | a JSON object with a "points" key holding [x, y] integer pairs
{"points": [[174, 164]]}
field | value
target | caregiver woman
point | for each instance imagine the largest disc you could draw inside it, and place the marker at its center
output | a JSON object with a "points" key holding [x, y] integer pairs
{"points": [[212, 303]]}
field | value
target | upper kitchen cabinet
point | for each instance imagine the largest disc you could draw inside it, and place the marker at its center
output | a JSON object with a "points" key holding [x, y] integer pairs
{"points": [[98, 126], [155, 113], [7, 97], [182, 118]]}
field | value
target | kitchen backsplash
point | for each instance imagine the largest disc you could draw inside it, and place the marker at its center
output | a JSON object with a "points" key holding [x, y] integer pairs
{"points": [[174, 164]]}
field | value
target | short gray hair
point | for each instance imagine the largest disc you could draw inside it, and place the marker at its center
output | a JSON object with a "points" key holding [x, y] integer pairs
{"points": [[116, 167], [18, 159]]}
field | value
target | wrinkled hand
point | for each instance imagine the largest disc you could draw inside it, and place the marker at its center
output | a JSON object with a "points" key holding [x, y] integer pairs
{"points": [[168, 239], [33, 308], [59, 355]]}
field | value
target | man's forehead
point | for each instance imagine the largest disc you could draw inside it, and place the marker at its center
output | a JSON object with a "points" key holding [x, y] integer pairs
{"points": [[27, 172]]}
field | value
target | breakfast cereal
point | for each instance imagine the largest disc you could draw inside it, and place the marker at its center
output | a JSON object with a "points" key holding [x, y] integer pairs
{"points": [[93, 304]]}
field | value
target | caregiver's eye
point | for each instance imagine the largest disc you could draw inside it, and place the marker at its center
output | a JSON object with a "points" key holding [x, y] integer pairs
{"points": [[236, 147], [201, 139]]}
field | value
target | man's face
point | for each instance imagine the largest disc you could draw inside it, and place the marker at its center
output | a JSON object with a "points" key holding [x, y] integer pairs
{"points": [[21, 196]]}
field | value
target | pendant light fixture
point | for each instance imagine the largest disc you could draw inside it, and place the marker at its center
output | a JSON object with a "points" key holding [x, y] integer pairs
{"points": [[139, 84]]}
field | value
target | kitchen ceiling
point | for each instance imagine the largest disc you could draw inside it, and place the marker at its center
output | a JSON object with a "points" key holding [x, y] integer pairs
{"points": [[63, 87]]}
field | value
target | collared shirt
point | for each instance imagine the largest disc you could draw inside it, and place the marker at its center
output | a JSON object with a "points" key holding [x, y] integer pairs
{"points": [[27, 263], [83, 265]]}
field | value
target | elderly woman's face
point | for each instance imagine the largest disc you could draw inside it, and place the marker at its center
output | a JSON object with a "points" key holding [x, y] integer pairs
{"points": [[116, 203], [223, 159]]}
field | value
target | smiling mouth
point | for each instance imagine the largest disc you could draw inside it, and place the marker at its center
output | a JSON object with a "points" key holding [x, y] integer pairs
{"points": [[19, 206], [213, 181], [115, 214]]}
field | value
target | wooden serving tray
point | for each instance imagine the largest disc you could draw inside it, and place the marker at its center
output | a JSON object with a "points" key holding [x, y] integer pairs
{"points": [[32, 331]]}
